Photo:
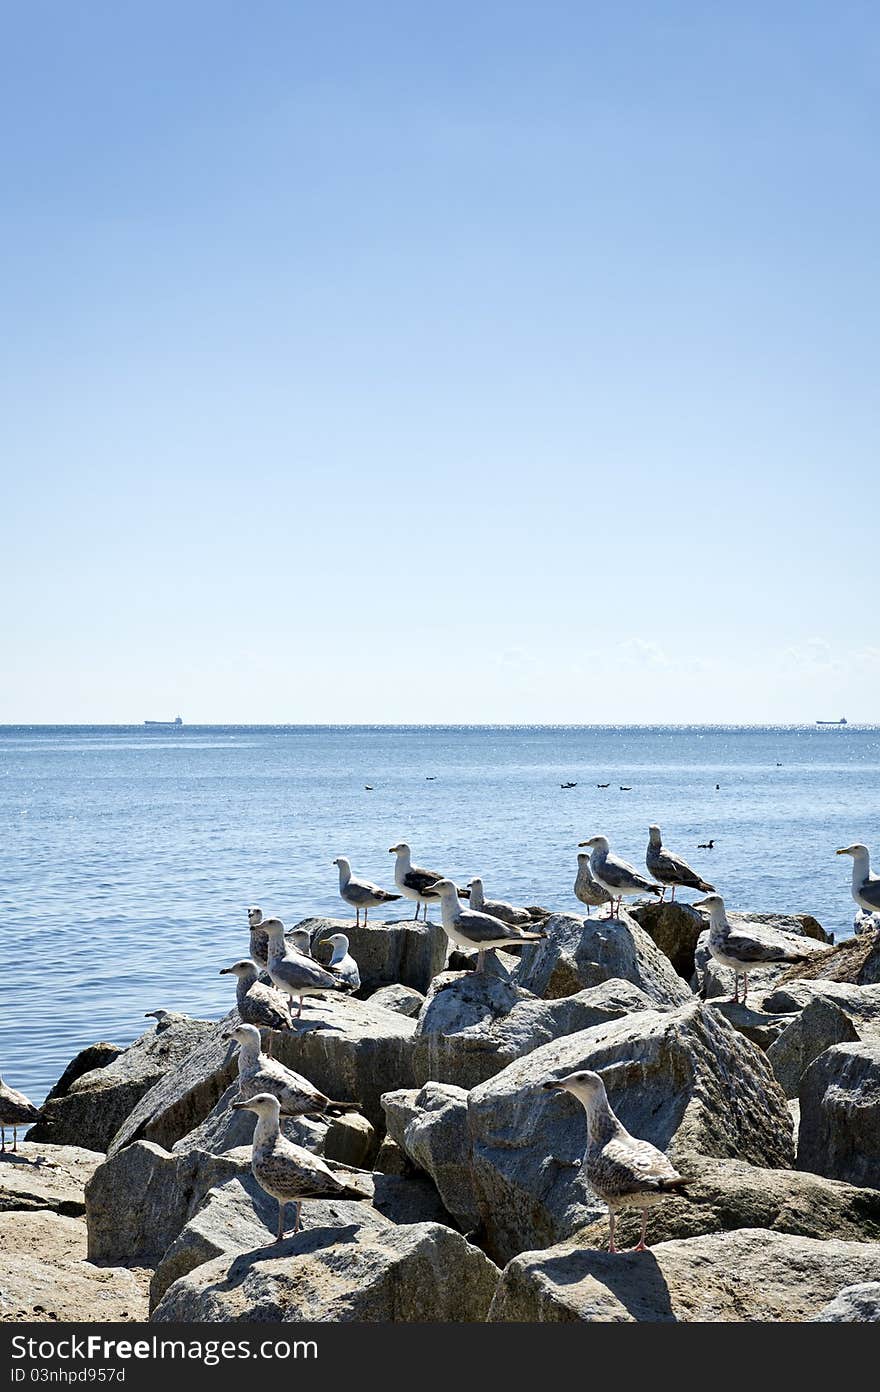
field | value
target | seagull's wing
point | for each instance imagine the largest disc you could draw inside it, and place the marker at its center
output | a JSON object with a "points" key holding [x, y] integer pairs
{"points": [[619, 873], [639, 1161], [421, 880], [870, 891], [679, 869], [482, 928], [746, 949]]}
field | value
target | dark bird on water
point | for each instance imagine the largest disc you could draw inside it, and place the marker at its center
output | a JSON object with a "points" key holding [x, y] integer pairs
{"points": [[568, 785], [625, 788], [706, 846], [603, 785]]}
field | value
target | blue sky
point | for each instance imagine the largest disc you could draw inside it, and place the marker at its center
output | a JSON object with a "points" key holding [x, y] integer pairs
{"points": [[439, 362]]}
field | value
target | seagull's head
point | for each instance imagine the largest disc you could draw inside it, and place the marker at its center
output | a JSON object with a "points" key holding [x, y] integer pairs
{"points": [[654, 834], [446, 889], [247, 1035], [255, 916], [273, 927], [263, 1103], [583, 857], [157, 1015], [302, 940], [585, 1085], [342, 863], [243, 968], [596, 843], [713, 902], [400, 849], [339, 944], [857, 850], [476, 883]]}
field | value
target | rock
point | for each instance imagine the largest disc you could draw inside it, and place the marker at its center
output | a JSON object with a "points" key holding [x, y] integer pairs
{"points": [[711, 979], [47, 1177], [750, 1275], [727, 1194], [44, 1275], [839, 1133], [403, 953], [759, 1026], [853, 1305], [860, 1003], [474, 1025], [403, 999], [856, 960], [225, 1129], [675, 928], [408, 1200], [95, 1104], [86, 1061], [238, 1217], [352, 1050], [391, 1160], [582, 952], [866, 923], [431, 1127], [682, 1079], [351, 1140], [423, 1272], [815, 1029]]}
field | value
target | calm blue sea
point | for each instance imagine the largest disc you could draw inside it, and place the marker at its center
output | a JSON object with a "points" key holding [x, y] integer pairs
{"points": [[128, 857]]}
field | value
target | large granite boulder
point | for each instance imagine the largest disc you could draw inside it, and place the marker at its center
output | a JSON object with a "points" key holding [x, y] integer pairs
{"points": [[856, 961], [750, 1275], [676, 929], [44, 1277], [839, 1133], [819, 1025], [86, 1061], [47, 1177], [860, 1003], [581, 952], [854, 1304], [683, 1079], [423, 1272], [403, 999], [96, 1103], [431, 1128], [403, 953], [473, 1024]]}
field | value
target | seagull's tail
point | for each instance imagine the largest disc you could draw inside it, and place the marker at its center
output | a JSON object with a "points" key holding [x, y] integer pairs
{"points": [[675, 1186]]}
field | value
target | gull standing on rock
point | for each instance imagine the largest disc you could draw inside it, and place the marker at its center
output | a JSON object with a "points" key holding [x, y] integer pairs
{"points": [[865, 885], [739, 949], [471, 930], [623, 1171], [286, 1171], [258, 1073], [259, 943], [669, 869], [257, 1004], [508, 913], [361, 894], [15, 1111], [294, 973], [412, 880], [616, 876], [588, 890]]}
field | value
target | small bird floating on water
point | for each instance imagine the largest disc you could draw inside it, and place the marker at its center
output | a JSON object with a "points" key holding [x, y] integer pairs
{"points": [[568, 785], [603, 785], [15, 1110], [669, 869], [471, 930], [623, 1171], [706, 846], [865, 884], [360, 894], [616, 876]]}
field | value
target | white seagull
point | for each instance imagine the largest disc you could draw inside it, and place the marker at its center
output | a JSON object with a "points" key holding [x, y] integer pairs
{"points": [[361, 894], [616, 876], [865, 885]]}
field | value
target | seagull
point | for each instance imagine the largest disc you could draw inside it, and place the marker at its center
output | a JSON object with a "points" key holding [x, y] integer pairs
{"points": [[616, 876], [669, 869], [738, 948], [294, 973], [508, 913], [412, 880], [302, 940], [624, 1172], [341, 963], [588, 890], [865, 885], [361, 894], [15, 1110], [469, 929], [259, 1073], [259, 944], [287, 1171], [257, 1004]]}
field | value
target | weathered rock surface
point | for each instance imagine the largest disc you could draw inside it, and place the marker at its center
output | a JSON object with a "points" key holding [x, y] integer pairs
{"points": [[839, 1133], [761, 1027], [815, 1029], [727, 1194], [86, 1061], [422, 1272], [747, 1275], [403, 953], [473, 1025], [675, 928], [431, 1127], [42, 1176], [860, 1003], [404, 999], [853, 1305], [582, 952], [95, 1104], [682, 1079], [44, 1275], [857, 961], [225, 1129]]}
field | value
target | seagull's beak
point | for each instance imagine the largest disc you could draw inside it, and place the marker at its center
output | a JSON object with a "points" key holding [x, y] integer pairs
{"points": [[239, 1106], [391, 850], [224, 971], [552, 1085], [698, 903], [583, 843], [843, 852]]}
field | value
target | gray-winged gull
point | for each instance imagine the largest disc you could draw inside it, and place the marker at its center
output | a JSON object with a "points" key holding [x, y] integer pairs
{"points": [[616, 876], [671, 870], [15, 1110], [471, 930], [498, 908], [588, 890], [257, 1004], [623, 1171], [259, 1073], [341, 962], [361, 894], [294, 973], [741, 949], [286, 1171], [412, 880], [259, 941], [865, 885]]}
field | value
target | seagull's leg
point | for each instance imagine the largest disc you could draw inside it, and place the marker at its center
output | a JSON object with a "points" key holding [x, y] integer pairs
{"points": [[298, 1224], [662, 894], [611, 1222], [642, 1245], [736, 988], [365, 916], [14, 1139], [672, 900], [745, 986], [280, 1237], [300, 1011], [481, 961]]}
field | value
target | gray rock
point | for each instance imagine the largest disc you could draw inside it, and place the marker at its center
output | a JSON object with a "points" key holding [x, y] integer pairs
{"points": [[86, 1061], [682, 1079], [47, 1177], [853, 1305], [839, 1133], [474, 1025], [403, 999], [225, 1129], [351, 1140], [759, 1026], [431, 1127], [675, 928], [855, 960], [860, 1003], [410, 1199], [815, 1029], [391, 1160], [866, 923], [95, 1104], [423, 1272], [750, 1275], [402, 953], [582, 952]]}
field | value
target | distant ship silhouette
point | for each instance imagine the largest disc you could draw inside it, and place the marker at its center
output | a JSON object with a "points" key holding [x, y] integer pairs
{"points": [[174, 724], [841, 721]]}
